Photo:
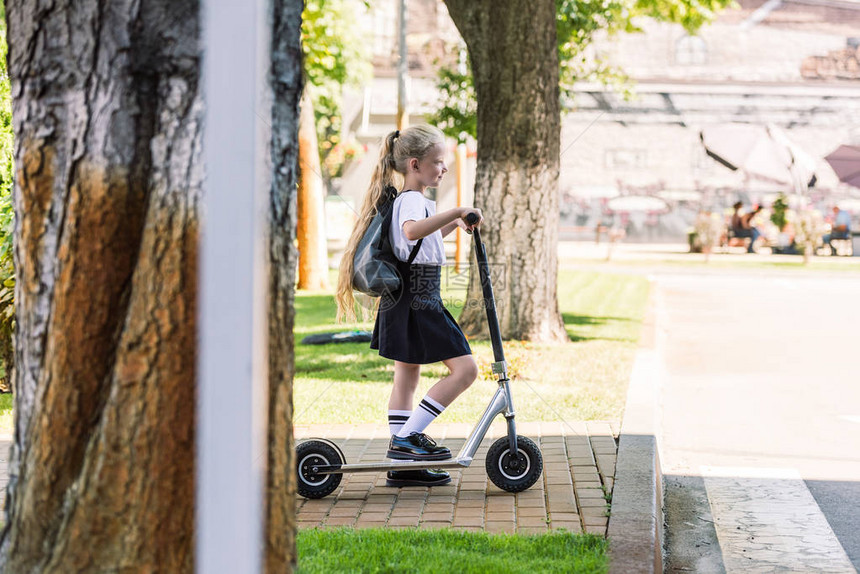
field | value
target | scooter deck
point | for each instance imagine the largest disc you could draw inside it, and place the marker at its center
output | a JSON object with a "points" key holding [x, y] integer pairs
{"points": [[459, 462]]}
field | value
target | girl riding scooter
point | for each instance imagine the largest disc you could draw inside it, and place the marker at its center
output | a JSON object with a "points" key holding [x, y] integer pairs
{"points": [[413, 328]]}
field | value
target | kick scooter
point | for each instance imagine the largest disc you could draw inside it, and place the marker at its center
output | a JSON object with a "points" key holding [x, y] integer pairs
{"points": [[514, 463]]}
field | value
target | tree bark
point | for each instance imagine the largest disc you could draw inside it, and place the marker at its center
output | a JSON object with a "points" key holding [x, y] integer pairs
{"points": [[514, 56], [287, 81], [107, 111], [313, 251]]}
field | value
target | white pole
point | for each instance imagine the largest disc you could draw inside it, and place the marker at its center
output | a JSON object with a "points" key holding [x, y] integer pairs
{"points": [[232, 387], [402, 70], [461, 179]]}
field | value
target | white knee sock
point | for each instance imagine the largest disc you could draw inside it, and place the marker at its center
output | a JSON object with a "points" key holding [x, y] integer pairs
{"points": [[427, 410], [396, 420]]}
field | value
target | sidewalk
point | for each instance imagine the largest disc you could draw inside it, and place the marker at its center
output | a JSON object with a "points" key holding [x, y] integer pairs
{"points": [[759, 423], [579, 466], [579, 463], [5, 445], [575, 253]]}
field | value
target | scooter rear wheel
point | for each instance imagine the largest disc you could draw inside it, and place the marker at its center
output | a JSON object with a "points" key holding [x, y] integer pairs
{"points": [[316, 453], [514, 473]]}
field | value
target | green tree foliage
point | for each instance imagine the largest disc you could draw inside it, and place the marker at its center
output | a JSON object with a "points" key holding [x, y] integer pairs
{"points": [[458, 116], [336, 55], [7, 270], [577, 24]]}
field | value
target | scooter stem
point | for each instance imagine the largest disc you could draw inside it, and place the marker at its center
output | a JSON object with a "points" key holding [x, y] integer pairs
{"points": [[489, 299], [500, 366]]}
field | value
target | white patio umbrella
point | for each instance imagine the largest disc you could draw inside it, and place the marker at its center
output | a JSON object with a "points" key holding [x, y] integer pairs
{"points": [[594, 191], [763, 152], [680, 195], [802, 168], [630, 203]]}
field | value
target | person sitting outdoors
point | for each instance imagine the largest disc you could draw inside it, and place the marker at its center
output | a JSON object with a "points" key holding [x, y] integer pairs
{"points": [[785, 243], [841, 228], [742, 225]]}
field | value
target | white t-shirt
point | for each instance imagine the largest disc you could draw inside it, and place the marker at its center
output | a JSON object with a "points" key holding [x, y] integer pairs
{"points": [[413, 206]]}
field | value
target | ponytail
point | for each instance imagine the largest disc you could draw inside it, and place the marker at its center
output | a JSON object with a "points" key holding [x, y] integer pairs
{"points": [[396, 150], [383, 176]]}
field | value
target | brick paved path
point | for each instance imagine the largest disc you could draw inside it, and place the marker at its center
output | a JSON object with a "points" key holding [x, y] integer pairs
{"points": [[579, 467], [579, 463]]}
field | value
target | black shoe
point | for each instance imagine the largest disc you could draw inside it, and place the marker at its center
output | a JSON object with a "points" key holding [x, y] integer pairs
{"points": [[424, 477], [417, 446]]}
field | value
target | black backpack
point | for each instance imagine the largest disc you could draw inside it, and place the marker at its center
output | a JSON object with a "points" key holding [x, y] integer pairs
{"points": [[374, 264]]}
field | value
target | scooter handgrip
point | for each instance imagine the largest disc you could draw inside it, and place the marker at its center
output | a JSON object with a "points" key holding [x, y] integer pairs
{"points": [[472, 218]]}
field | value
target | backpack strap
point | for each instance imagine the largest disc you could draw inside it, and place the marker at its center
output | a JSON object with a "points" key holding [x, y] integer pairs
{"points": [[414, 253]]}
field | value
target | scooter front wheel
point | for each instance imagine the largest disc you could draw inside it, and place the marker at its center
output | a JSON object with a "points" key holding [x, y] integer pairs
{"points": [[310, 455], [514, 473]]}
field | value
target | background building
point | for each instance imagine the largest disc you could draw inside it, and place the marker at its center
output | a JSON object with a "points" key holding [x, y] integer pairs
{"points": [[794, 64], [789, 64]]}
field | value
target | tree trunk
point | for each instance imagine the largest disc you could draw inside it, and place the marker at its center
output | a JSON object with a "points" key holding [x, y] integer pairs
{"points": [[281, 480], [107, 112], [514, 56], [107, 116], [313, 251]]}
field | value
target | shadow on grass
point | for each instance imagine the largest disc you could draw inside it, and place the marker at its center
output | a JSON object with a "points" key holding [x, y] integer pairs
{"points": [[344, 362], [574, 324]]}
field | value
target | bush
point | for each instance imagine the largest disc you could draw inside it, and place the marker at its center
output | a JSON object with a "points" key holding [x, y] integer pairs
{"points": [[779, 209]]}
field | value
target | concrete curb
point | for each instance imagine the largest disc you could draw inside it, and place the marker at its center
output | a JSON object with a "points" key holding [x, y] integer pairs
{"points": [[636, 519]]}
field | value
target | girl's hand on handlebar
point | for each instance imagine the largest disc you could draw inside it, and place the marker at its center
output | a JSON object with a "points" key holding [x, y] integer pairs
{"points": [[467, 211]]}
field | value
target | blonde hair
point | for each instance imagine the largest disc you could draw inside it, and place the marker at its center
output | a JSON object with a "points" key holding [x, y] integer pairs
{"points": [[396, 151]]}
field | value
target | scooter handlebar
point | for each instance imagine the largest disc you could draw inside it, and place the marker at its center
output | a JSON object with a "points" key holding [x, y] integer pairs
{"points": [[472, 219]]}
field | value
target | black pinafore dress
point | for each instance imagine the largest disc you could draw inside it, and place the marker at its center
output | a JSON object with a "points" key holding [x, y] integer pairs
{"points": [[412, 324]]}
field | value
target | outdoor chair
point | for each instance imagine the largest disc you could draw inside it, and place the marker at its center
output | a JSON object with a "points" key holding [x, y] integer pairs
{"points": [[843, 246]]}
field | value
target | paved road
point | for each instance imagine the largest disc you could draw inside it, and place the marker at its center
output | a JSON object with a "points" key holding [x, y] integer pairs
{"points": [[760, 405]]}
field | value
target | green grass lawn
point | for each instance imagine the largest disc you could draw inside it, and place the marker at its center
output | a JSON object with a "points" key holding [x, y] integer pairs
{"points": [[583, 379], [433, 551]]}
